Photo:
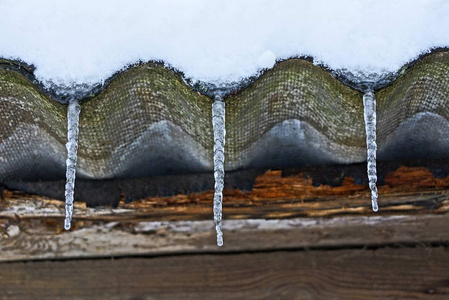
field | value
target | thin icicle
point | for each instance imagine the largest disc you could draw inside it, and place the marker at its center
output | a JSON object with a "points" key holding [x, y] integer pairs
{"points": [[369, 107], [73, 113], [218, 122]]}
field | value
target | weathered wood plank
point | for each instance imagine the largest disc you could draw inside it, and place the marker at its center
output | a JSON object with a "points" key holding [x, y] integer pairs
{"points": [[385, 273], [406, 191], [95, 239], [414, 209]]}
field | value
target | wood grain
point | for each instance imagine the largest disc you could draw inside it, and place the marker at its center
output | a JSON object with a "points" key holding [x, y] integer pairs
{"points": [[144, 238], [385, 273], [274, 196], [281, 212]]}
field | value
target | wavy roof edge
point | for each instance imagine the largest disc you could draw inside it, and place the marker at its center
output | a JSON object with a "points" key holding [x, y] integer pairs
{"points": [[85, 91]]}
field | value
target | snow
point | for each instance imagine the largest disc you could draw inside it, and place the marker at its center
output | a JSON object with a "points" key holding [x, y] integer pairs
{"points": [[74, 42]]}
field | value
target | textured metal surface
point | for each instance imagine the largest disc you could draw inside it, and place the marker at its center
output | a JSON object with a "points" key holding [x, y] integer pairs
{"points": [[413, 113], [147, 121], [295, 114], [32, 130]]}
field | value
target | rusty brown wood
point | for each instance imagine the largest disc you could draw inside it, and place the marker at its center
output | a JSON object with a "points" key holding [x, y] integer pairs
{"points": [[406, 191], [281, 212]]}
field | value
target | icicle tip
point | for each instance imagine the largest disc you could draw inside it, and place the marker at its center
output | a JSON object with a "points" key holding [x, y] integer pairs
{"points": [[67, 225], [375, 206]]}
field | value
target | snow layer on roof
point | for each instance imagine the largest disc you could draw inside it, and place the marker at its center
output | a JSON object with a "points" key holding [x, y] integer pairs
{"points": [[84, 41]]}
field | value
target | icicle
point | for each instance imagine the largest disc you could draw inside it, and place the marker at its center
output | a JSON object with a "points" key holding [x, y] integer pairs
{"points": [[369, 107], [218, 122], [73, 112]]}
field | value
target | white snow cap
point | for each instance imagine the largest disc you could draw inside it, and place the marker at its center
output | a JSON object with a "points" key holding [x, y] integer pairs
{"points": [[84, 41]]}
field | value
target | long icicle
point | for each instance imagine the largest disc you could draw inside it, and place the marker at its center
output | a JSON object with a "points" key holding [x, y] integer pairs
{"points": [[369, 107], [218, 122], [73, 113]]}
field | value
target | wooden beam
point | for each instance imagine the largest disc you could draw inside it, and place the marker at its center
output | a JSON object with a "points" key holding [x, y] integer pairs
{"points": [[385, 273], [274, 196], [99, 239], [280, 212]]}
